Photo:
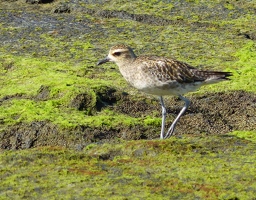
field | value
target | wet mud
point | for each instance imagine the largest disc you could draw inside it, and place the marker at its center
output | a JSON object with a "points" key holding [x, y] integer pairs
{"points": [[218, 113]]}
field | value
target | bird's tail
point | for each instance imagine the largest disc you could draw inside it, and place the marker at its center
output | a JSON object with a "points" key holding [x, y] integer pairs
{"points": [[212, 76]]}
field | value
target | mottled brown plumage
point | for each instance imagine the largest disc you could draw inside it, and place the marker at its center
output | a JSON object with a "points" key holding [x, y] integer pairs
{"points": [[161, 76], [171, 69]]}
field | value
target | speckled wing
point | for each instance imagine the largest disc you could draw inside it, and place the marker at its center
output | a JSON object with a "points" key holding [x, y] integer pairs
{"points": [[169, 70], [173, 70]]}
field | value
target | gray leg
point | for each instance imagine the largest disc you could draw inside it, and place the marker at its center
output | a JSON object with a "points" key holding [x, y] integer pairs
{"points": [[163, 117], [172, 127]]}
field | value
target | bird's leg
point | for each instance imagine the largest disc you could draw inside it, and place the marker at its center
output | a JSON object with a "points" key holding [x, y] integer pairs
{"points": [[172, 127], [163, 117]]}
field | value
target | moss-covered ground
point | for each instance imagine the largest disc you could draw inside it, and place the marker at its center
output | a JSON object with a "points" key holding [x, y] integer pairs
{"points": [[72, 130], [213, 167], [187, 167]]}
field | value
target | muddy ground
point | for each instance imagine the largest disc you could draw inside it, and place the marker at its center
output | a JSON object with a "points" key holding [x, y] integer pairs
{"points": [[211, 113], [208, 114]]}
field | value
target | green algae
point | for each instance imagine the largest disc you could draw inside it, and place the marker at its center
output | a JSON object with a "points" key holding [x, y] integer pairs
{"points": [[248, 135], [185, 167], [26, 75], [29, 110], [244, 71]]}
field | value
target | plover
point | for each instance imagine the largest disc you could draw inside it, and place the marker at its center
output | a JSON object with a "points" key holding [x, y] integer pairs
{"points": [[161, 76]]}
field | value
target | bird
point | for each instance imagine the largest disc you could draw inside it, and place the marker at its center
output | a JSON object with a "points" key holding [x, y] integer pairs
{"points": [[161, 76]]}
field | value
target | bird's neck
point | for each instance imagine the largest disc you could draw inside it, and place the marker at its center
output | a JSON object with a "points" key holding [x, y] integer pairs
{"points": [[127, 63]]}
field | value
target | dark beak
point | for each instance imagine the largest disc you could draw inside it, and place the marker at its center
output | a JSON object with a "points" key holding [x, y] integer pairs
{"points": [[103, 61]]}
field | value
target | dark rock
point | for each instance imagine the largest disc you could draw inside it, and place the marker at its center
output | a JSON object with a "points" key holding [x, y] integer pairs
{"points": [[81, 102], [39, 1], [43, 93], [62, 8]]}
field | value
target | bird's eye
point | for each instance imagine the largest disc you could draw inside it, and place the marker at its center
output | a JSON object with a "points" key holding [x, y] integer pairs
{"points": [[117, 53]]}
